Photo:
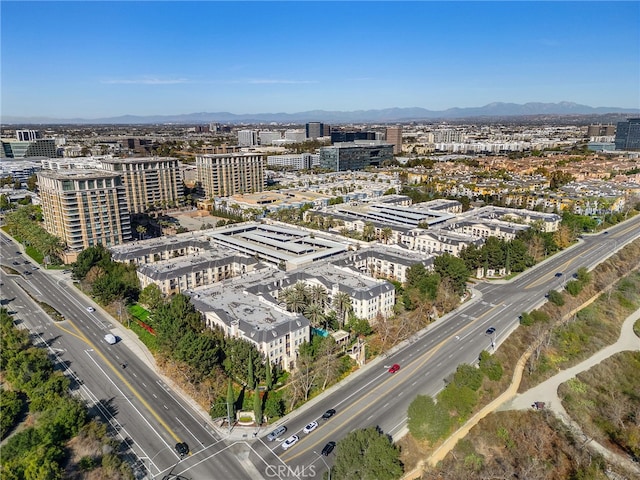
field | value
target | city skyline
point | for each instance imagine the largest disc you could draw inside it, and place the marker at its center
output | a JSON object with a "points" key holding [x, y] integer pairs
{"points": [[99, 59]]}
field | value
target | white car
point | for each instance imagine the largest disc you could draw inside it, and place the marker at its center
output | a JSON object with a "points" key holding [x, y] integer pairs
{"points": [[110, 339], [310, 428], [91, 309], [290, 441]]}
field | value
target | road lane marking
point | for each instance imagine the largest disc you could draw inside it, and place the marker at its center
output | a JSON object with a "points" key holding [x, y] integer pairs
{"points": [[127, 384]]}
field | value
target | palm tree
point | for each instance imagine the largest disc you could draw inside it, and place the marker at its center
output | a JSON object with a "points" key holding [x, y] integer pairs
{"points": [[386, 234], [141, 231], [368, 232], [342, 303], [315, 313], [319, 295]]}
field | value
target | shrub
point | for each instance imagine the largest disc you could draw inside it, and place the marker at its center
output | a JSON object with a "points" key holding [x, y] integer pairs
{"points": [[556, 298]]}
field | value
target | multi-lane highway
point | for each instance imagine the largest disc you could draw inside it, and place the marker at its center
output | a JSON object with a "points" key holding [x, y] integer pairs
{"points": [[151, 418]]}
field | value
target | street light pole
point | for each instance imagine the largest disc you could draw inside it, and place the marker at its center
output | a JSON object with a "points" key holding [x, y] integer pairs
{"points": [[325, 463]]}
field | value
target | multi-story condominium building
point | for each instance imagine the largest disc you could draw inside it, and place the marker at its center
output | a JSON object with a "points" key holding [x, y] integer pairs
{"points": [[628, 135], [19, 169], [149, 182], [295, 161], [188, 272], [369, 297], [390, 262], [84, 207], [247, 138], [355, 156], [40, 147], [256, 318], [314, 130], [438, 241], [394, 137], [225, 175], [158, 249]]}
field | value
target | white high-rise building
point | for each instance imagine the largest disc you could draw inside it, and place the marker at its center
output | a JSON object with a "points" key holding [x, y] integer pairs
{"points": [[247, 138]]}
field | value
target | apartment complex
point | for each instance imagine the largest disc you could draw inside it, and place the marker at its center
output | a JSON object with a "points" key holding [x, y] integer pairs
{"points": [[228, 174], [84, 207], [150, 181]]}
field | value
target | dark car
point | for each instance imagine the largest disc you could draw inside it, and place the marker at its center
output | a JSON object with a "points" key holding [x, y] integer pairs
{"points": [[329, 413], [328, 448], [394, 368], [490, 330], [16, 263], [606, 231], [27, 272], [558, 274], [182, 448]]}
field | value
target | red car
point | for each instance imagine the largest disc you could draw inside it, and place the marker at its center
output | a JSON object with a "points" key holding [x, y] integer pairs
{"points": [[394, 368]]}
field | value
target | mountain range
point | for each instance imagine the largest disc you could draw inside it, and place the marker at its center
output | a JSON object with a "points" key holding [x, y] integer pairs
{"points": [[496, 109]]}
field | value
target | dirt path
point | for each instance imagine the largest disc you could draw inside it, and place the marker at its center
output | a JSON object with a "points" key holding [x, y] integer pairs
{"points": [[547, 391]]}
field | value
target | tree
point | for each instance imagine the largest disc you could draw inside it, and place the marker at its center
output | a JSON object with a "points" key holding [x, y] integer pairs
{"points": [[368, 232], [251, 381], [268, 380], [386, 234], [454, 268], [367, 454], [428, 420], [342, 303], [231, 398], [151, 296], [141, 229], [257, 406]]}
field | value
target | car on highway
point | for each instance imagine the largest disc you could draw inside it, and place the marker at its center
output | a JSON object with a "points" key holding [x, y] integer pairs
{"points": [[310, 427], [27, 272], [394, 368], [606, 232], [110, 339], [16, 263], [289, 442], [276, 433], [558, 274], [329, 413], [328, 448], [91, 309], [490, 330]]}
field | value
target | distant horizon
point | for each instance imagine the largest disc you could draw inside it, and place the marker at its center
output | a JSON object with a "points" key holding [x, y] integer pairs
{"points": [[146, 58]]}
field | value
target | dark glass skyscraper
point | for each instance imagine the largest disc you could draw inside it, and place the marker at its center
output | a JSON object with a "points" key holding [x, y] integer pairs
{"points": [[628, 135]]}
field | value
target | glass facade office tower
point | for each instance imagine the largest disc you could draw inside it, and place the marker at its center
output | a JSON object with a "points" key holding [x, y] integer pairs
{"points": [[353, 156], [628, 135]]}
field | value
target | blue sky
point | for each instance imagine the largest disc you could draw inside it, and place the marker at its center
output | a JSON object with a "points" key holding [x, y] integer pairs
{"points": [[95, 59]]}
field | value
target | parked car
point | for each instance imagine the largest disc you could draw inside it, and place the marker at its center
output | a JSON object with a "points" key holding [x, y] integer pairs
{"points": [[310, 427], [328, 448], [290, 442], [394, 368], [276, 433], [328, 414]]}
